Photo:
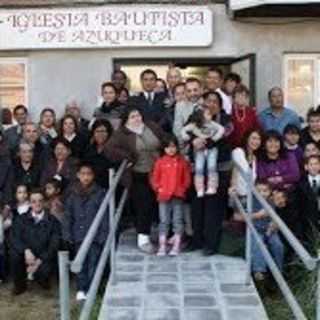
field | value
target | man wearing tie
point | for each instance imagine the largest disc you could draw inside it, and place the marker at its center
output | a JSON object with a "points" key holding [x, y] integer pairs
{"points": [[308, 197], [149, 102]]}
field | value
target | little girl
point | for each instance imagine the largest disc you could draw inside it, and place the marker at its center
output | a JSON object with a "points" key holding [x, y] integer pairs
{"points": [[53, 191], [200, 125], [170, 179], [22, 205]]}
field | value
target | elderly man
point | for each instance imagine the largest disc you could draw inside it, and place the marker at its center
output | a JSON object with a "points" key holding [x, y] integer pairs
{"points": [[174, 77], [31, 134], [277, 116], [35, 240]]}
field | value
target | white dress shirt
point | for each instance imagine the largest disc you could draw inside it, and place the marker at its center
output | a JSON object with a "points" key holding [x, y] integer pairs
{"points": [[226, 101]]}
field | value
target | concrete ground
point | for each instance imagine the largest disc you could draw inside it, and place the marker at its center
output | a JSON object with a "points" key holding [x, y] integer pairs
{"points": [[188, 287]]}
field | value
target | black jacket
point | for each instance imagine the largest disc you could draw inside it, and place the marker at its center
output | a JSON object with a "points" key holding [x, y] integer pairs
{"points": [[80, 211], [30, 177], [42, 238], [155, 112], [101, 165], [307, 138], [5, 175], [308, 206]]}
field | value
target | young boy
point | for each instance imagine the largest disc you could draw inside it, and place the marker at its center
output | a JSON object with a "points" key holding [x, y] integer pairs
{"points": [[291, 135], [81, 208], [35, 240], [308, 197], [268, 234]]}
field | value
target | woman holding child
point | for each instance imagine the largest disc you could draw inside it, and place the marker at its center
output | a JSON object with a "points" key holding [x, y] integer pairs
{"points": [[139, 142]]}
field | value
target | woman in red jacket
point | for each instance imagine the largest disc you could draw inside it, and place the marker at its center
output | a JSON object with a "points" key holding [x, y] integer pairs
{"points": [[244, 117], [170, 179]]}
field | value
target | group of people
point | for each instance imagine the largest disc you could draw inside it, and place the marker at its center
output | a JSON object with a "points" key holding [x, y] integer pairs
{"points": [[180, 138]]}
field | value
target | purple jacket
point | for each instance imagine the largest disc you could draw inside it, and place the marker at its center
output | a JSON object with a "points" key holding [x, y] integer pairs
{"points": [[286, 167], [298, 153]]}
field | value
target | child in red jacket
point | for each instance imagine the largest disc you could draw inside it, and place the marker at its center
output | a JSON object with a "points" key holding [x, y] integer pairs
{"points": [[170, 179]]}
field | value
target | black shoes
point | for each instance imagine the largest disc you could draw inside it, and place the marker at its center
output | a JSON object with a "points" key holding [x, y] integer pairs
{"points": [[208, 252], [18, 290]]}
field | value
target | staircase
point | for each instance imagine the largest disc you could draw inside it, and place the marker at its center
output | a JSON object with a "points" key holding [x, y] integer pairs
{"points": [[188, 287]]}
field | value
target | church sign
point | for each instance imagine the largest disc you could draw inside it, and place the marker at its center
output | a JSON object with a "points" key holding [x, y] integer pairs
{"points": [[106, 26]]}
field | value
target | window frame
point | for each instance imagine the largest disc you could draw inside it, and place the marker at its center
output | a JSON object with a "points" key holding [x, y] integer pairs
{"points": [[302, 56], [20, 60]]}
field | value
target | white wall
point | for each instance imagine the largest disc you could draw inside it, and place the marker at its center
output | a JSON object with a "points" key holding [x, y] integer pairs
{"points": [[54, 76]]}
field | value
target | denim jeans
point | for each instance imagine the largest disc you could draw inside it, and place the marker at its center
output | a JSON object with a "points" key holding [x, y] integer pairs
{"points": [[170, 212], [275, 246], [86, 275], [203, 158]]}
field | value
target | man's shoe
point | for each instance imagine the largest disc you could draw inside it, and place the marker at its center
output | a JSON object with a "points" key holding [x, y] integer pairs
{"points": [[192, 247], [208, 252], [16, 291], [44, 284]]}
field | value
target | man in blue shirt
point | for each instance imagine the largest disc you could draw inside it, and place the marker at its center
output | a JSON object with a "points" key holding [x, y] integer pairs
{"points": [[277, 117]]}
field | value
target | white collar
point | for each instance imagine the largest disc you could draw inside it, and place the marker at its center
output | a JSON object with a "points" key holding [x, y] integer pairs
{"points": [[290, 147], [37, 216], [146, 94], [23, 208], [70, 138], [312, 178]]}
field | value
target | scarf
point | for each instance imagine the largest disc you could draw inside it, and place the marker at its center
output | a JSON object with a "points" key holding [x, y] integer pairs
{"points": [[137, 130]]}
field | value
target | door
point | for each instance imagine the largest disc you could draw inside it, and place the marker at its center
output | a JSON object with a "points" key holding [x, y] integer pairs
{"points": [[245, 66]]}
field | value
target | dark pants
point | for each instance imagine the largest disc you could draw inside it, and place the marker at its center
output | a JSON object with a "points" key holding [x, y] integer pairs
{"points": [[86, 275], [19, 273], [143, 202], [208, 214]]}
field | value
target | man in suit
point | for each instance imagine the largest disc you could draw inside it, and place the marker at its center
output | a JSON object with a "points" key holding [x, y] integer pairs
{"points": [[149, 102], [308, 197], [13, 135], [35, 240]]}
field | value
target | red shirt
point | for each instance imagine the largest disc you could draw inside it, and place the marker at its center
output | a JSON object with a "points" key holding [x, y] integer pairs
{"points": [[243, 120], [171, 177]]}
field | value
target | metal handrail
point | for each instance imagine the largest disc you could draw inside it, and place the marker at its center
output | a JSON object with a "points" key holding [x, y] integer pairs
{"points": [[77, 263], [295, 307], [109, 249], [309, 262], [92, 293]]}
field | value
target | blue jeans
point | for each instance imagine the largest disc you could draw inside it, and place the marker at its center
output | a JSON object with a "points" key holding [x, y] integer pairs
{"points": [[171, 212], [275, 246], [207, 157], [86, 275]]}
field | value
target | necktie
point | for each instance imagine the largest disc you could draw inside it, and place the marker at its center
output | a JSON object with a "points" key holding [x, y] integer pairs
{"points": [[149, 99], [314, 185]]}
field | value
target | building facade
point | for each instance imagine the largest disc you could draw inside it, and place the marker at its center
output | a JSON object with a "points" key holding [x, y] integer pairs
{"points": [[268, 45]]}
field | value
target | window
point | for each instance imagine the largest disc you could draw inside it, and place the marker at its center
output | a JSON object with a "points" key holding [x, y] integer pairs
{"points": [[301, 79], [13, 79]]}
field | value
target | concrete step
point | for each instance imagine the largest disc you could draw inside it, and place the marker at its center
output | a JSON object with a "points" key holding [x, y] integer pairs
{"points": [[187, 287]]}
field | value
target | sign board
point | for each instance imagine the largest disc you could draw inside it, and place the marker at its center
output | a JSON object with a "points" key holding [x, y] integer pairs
{"points": [[106, 26], [244, 4]]}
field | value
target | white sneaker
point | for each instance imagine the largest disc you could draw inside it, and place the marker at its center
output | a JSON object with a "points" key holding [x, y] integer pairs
{"points": [[81, 296]]}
